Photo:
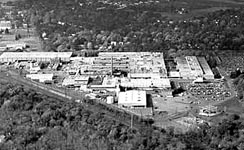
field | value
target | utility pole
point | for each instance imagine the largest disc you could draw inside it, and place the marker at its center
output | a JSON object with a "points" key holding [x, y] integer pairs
{"points": [[131, 122], [112, 66], [28, 31]]}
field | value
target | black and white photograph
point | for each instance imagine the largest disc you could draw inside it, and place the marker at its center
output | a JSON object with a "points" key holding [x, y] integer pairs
{"points": [[121, 74]]}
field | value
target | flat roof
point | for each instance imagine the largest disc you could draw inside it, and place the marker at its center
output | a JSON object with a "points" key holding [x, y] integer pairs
{"points": [[83, 78], [193, 63], [107, 81], [174, 74], [40, 76], [146, 83], [182, 64], [36, 54], [68, 81], [189, 66], [5, 24], [145, 75], [148, 63], [71, 80], [120, 54], [132, 98], [205, 67]]}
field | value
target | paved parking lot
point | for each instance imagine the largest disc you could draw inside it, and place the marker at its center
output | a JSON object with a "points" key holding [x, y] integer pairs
{"points": [[209, 91]]}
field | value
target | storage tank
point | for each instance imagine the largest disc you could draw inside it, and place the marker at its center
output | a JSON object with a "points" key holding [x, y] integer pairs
{"points": [[110, 100]]}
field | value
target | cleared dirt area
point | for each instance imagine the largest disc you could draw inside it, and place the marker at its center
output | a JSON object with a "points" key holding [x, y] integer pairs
{"points": [[171, 105]]}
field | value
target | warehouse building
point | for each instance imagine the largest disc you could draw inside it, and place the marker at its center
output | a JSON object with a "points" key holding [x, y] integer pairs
{"points": [[138, 64], [183, 67], [132, 99], [40, 77], [146, 83], [108, 83], [207, 72], [34, 56], [75, 81], [122, 54], [194, 65], [16, 45], [191, 67], [5, 25], [150, 65]]}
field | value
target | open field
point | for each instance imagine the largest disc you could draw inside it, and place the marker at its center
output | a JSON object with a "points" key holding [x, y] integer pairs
{"points": [[204, 4], [233, 106], [171, 105], [196, 8]]}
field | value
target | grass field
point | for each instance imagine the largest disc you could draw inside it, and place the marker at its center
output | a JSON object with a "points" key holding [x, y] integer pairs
{"points": [[197, 7]]}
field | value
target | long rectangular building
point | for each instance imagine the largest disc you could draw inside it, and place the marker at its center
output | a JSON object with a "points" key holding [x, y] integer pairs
{"points": [[192, 67], [122, 54], [40, 77], [146, 83], [207, 72], [34, 56], [183, 67]]}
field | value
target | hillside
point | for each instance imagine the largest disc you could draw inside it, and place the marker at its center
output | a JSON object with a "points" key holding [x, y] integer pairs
{"points": [[30, 120], [137, 26]]}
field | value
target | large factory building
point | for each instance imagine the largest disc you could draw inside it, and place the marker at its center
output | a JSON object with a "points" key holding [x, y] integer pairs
{"points": [[192, 67], [34, 56]]}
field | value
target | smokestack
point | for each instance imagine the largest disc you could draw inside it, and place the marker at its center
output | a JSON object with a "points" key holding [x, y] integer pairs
{"points": [[112, 66]]}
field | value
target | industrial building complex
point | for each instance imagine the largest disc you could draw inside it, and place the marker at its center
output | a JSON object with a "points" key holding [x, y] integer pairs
{"points": [[165, 89], [128, 80], [141, 65], [140, 70]]}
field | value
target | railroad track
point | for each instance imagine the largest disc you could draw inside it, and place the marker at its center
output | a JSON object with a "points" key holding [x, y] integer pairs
{"points": [[108, 111]]}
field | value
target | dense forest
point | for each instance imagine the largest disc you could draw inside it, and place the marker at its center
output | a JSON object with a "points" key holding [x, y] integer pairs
{"points": [[81, 24], [239, 83]]}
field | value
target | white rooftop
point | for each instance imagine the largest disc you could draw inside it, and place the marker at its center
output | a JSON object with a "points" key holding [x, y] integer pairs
{"points": [[40, 77], [132, 98], [146, 83], [72, 80], [36, 55]]}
